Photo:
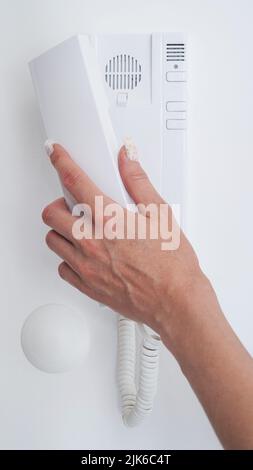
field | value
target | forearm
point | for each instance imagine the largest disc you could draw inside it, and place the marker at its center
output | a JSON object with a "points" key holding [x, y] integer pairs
{"points": [[215, 363]]}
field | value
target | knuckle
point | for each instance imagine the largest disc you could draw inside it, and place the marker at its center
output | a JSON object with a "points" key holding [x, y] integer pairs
{"points": [[71, 178], [49, 238], [89, 246], [47, 213], [89, 272], [77, 264], [61, 270], [137, 173]]}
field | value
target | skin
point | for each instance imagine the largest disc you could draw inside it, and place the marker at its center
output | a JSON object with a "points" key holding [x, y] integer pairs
{"points": [[164, 289]]}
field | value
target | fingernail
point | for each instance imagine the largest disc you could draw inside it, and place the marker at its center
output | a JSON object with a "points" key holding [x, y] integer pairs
{"points": [[49, 147], [131, 149]]}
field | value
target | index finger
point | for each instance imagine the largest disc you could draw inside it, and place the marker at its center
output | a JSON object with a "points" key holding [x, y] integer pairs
{"points": [[74, 179]]}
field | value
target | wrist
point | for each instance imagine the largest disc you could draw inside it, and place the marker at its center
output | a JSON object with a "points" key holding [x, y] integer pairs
{"points": [[187, 310]]}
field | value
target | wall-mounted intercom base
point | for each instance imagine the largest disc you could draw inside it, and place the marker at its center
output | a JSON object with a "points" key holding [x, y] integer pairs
{"points": [[143, 77], [93, 91]]}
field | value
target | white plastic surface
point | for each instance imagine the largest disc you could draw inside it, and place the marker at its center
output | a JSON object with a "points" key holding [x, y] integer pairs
{"points": [[55, 338], [74, 111], [71, 76], [145, 114]]}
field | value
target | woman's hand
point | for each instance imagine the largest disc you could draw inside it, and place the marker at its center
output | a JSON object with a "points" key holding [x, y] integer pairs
{"points": [[164, 289], [133, 277]]}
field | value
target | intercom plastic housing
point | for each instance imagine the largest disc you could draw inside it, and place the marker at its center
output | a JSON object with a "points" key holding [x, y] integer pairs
{"points": [[94, 91], [144, 76]]}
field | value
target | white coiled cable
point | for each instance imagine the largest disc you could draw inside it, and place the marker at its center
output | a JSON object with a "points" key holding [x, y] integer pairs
{"points": [[137, 402]]}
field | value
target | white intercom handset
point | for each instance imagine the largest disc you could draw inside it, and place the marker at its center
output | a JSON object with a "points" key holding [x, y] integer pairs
{"points": [[75, 112], [91, 95]]}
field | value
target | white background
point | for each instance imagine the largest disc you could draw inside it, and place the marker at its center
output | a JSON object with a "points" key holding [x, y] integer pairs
{"points": [[80, 409]]}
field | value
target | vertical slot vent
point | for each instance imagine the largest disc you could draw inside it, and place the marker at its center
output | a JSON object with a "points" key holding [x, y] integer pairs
{"points": [[123, 72], [175, 52]]}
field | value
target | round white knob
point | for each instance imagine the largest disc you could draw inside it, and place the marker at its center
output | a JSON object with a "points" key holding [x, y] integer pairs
{"points": [[55, 338]]}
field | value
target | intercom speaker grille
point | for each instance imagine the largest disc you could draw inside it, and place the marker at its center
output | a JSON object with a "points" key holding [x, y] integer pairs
{"points": [[123, 72], [175, 52]]}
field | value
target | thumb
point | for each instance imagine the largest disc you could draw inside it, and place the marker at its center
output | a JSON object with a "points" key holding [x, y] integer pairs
{"points": [[134, 177]]}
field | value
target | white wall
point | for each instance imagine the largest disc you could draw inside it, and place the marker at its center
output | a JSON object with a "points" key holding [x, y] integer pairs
{"points": [[79, 409]]}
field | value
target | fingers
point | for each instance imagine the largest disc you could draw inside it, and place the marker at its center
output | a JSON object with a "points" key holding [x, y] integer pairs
{"points": [[65, 250], [73, 178], [67, 273], [136, 181], [58, 217], [70, 276], [76, 269]]}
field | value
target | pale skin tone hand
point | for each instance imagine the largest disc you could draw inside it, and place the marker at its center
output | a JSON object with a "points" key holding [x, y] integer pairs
{"points": [[164, 289]]}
